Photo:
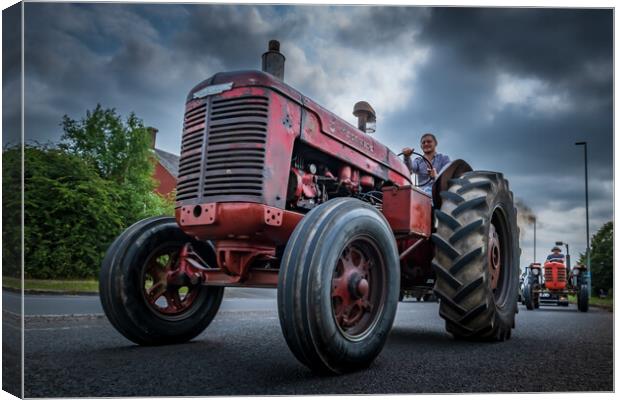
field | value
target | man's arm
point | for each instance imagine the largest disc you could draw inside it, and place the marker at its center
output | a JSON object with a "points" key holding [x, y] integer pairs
{"points": [[413, 168], [408, 164]]}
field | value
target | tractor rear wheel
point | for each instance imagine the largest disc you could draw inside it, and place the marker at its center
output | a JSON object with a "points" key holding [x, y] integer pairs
{"points": [[583, 298], [134, 291], [338, 286], [477, 257]]}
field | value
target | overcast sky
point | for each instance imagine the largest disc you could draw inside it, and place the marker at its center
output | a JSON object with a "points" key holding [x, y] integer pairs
{"points": [[508, 90]]}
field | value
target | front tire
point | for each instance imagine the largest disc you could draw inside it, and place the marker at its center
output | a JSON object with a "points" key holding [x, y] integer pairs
{"points": [[477, 257], [529, 297], [338, 286], [134, 292], [583, 298]]}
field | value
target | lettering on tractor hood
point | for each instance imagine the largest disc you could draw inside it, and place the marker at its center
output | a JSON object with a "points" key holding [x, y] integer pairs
{"points": [[358, 141]]}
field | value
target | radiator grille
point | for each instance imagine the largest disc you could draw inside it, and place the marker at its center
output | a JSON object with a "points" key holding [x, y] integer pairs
{"points": [[235, 155], [549, 274], [191, 151]]}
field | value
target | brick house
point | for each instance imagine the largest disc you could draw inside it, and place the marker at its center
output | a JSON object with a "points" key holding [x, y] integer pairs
{"points": [[166, 168]]}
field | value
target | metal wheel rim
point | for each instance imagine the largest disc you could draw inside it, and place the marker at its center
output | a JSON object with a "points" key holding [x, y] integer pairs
{"points": [[357, 305], [178, 302], [499, 256]]}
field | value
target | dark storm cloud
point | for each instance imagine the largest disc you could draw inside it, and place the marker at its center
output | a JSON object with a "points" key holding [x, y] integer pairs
{"points": [[506, 89], [236, 36], [145, 58], [553, 43], [512, 90], [79, 55], [372, 31], [11, 72]]}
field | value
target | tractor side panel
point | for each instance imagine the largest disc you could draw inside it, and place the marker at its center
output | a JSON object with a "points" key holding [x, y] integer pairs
{"points": [[312, 134], [373, 153], [353, 150], [407, 210], [284, 128]]}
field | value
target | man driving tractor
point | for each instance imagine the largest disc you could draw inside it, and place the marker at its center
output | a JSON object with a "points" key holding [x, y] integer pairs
{"points": [[556, 255], [426, 175]]}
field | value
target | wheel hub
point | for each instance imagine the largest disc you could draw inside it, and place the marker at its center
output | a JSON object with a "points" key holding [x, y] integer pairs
{"points": [[162, 295], [357, 285], [494, 256], [351, 288]]}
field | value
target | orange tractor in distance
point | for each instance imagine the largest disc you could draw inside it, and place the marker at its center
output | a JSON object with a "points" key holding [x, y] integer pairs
{"points": [[276, 191], [553, 282]]}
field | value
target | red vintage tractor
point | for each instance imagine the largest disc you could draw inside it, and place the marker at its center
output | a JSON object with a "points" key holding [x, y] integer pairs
{"points": [[553, 283], [275, 191]]}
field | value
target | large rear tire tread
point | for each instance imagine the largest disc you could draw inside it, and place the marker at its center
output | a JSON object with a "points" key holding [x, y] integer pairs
{"points": [[467, 302], [120, 292], [304, 288]]}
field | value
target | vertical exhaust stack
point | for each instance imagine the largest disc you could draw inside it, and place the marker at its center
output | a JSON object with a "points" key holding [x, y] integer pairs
{"points": [[366, 117], [273, 60]]}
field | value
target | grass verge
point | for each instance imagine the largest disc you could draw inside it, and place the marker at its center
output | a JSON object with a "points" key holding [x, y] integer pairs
{"points": [[606, 303], [45, 285]]}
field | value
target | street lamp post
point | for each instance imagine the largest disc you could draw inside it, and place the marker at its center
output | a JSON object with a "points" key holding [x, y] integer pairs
{"points": [[585, 156], [534, 239]]}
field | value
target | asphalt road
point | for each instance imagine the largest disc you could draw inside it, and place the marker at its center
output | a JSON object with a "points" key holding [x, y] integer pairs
{"points": [[243, 353]]}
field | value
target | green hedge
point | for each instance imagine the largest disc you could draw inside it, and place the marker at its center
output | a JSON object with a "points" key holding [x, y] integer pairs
{"points": [[78, 196], [71, 214]]}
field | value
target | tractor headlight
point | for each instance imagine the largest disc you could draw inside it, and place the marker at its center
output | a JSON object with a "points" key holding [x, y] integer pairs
{"points": [[535, 272]]}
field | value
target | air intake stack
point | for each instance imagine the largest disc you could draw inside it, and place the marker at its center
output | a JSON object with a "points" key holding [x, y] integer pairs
{"points": [[273, 60]]}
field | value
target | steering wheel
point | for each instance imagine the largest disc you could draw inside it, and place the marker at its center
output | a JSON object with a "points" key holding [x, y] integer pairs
{"points": [[428, 163]]}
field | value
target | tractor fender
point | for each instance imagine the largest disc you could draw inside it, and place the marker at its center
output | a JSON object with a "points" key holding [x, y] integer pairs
{"points": [[454, 169]]}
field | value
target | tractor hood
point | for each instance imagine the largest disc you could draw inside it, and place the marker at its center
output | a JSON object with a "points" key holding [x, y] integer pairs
{"points": [[330, 124]]}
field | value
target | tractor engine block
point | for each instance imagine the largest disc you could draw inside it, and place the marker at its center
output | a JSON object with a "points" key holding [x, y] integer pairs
{"points": [[312, 182]]}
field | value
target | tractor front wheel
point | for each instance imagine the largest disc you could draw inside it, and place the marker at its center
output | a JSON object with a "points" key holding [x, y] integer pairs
{"points": [[135, 294], [583, 298], [338, 286], [477, 257], [529, 296]]}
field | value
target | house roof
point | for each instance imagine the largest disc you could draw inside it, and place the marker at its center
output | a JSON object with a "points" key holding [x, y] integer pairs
{"points": [[169, 161]]}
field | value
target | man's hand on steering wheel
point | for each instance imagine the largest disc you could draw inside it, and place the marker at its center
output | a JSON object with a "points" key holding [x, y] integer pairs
{"points": [[408, 152]]}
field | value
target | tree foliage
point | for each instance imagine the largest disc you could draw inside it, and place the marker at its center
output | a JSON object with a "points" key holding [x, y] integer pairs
{"points": [[602, 258], [120, 152], [80, 195]]}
